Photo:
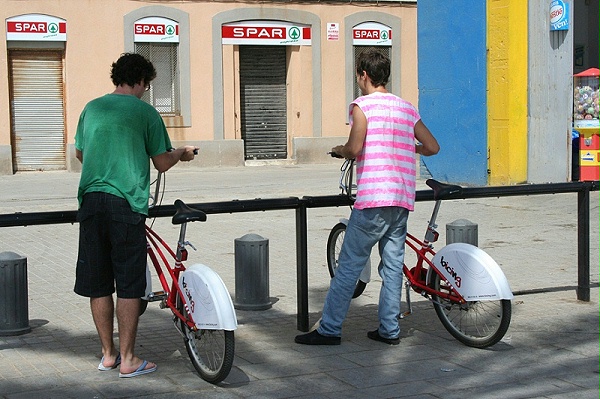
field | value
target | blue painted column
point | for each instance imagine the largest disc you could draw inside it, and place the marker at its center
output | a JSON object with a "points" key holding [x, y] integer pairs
{"points": [[452, 87]]}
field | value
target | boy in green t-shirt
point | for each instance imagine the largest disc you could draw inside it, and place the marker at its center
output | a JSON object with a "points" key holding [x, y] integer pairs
{"points": [[117, 136]]}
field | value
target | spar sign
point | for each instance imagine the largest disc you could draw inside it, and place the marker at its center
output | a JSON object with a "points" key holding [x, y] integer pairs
{"points": [[271, 33], [36, 27], [559, 15], [155, 29], [371, 34]]}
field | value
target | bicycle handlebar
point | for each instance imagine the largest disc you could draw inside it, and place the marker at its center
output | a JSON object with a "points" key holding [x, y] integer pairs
{"points": [[153, 199]]}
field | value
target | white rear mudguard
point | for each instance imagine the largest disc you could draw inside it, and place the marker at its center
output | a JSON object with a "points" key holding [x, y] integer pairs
{"points": [[207, 298], [148, 283], [472, 272]]}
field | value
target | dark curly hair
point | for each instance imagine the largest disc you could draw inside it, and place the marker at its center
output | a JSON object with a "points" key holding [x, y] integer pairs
{"points": [[130, 69], [376, 65]]}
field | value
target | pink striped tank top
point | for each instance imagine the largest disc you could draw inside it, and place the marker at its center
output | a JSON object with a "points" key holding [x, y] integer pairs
{"points": [[386, 166]]}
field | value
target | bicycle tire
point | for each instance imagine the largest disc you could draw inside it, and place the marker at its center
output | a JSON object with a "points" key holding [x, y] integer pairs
{"points": [[334, 245], [210, 351], [478, 324]]}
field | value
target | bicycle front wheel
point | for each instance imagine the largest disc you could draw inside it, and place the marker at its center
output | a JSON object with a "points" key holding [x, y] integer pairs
{"points": [[478, 324], [334, 246], [211, 352]]}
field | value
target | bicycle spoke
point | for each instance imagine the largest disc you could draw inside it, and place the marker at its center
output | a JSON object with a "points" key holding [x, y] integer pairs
{"points": [[211, 352], [477, 319], [211, 349], [477, 323]]}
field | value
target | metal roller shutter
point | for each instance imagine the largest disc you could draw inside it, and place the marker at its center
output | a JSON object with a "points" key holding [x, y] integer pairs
{"points": [[37, 110], [263, 101]]}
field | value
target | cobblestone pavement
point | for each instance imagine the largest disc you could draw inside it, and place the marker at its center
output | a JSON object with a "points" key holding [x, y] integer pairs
{"points": [[550, 351]]}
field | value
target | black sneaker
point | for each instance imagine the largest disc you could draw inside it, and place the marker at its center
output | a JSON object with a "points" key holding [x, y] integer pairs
{"points": [[374, 335], [314, 338]]}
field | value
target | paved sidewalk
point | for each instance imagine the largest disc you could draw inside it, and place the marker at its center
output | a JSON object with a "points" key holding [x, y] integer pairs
{"points": [[550, 351]]}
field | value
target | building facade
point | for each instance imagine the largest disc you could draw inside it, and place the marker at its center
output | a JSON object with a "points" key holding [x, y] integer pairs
{"points": [[245, 81], [496, 86]]}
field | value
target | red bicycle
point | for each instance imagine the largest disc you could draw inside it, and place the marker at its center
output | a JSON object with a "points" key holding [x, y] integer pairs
{"points": [[202, 309], [467, 288]]}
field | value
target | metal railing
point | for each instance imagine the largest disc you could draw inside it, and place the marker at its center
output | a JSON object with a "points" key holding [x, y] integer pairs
{"points": [[301, 205]]}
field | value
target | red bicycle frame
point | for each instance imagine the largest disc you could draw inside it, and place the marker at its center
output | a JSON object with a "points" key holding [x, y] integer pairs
{"points": [[155, 242], [418, 275]]}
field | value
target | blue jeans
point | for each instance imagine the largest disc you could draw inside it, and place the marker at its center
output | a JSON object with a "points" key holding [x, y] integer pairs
{"points": [[367, 227]]}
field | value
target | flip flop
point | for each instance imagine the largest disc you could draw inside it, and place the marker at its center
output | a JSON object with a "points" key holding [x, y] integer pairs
{"points": [[102, 367], [140, 371]]}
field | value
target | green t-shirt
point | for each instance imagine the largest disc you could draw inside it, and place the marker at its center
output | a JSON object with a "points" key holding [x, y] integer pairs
{"points": [[117, 134]]}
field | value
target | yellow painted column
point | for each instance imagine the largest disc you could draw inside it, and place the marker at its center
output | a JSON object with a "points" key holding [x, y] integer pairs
{"points": [[507, 91]]}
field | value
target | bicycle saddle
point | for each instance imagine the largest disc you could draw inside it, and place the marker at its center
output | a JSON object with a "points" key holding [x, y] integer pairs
{"points": [[443, 191], [184, 214]]}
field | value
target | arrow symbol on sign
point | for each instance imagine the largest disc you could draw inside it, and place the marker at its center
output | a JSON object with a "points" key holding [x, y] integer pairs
{"points": [[588, 157]]}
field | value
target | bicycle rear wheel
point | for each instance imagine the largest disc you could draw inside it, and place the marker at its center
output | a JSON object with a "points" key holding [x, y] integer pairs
{"points": [[478, 324], [334, 245], [211, 351]]}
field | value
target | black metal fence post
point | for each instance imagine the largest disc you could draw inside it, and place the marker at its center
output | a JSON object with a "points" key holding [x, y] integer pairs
{"points": [[583, 244], [302, 267]]}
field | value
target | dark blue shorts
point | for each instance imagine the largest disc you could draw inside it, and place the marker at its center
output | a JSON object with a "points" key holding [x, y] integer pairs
{"points": [[112, 248]]}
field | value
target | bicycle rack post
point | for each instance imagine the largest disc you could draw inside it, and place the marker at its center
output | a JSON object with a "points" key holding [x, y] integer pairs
{"points": [[302, 267]]}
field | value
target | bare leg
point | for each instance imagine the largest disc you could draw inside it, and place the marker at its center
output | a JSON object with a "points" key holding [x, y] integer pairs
{"points": [[103, 312], [128, 311]]}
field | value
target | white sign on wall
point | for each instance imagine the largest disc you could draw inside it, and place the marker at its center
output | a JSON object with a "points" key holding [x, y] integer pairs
{"points": [[155, 29], [333, 31], [36, 27], [371, 34]]}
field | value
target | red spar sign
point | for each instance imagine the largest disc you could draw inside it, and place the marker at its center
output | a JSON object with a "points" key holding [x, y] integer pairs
{"points": [[266, 34]]}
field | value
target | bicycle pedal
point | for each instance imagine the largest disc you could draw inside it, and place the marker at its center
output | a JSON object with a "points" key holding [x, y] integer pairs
{"points": [[405, 314], [156, 296]]}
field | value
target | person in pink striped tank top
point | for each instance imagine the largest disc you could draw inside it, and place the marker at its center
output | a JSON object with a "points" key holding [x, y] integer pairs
{"points": [[383, 138]]}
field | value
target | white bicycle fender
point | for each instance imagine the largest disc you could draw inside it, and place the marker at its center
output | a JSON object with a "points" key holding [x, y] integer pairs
{"points": [[472, 272], [207, 298], [148, 283]]}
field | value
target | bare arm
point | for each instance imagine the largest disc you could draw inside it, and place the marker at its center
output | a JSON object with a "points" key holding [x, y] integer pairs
{"points": [[166, 160], [79, 155], [356, 140], [429, 145]]}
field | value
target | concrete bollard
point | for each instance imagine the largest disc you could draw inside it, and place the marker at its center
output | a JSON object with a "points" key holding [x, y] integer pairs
{"points": [[14, 310], [252, 273], [462, 230]]}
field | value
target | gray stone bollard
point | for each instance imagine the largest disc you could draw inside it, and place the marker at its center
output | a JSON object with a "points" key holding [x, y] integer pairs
{"points": [[462, 230], [14, 310], [252, 273]]}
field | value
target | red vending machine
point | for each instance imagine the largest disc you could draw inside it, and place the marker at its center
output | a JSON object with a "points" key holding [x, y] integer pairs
{"points": [[586, 122]]}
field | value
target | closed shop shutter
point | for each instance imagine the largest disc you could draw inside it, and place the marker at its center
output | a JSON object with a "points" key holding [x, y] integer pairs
{"points": [[37, 110], [263, 101]]}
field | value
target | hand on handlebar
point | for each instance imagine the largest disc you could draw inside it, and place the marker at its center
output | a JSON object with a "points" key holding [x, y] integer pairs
{"points": [[336, 151], [189, 153]]}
